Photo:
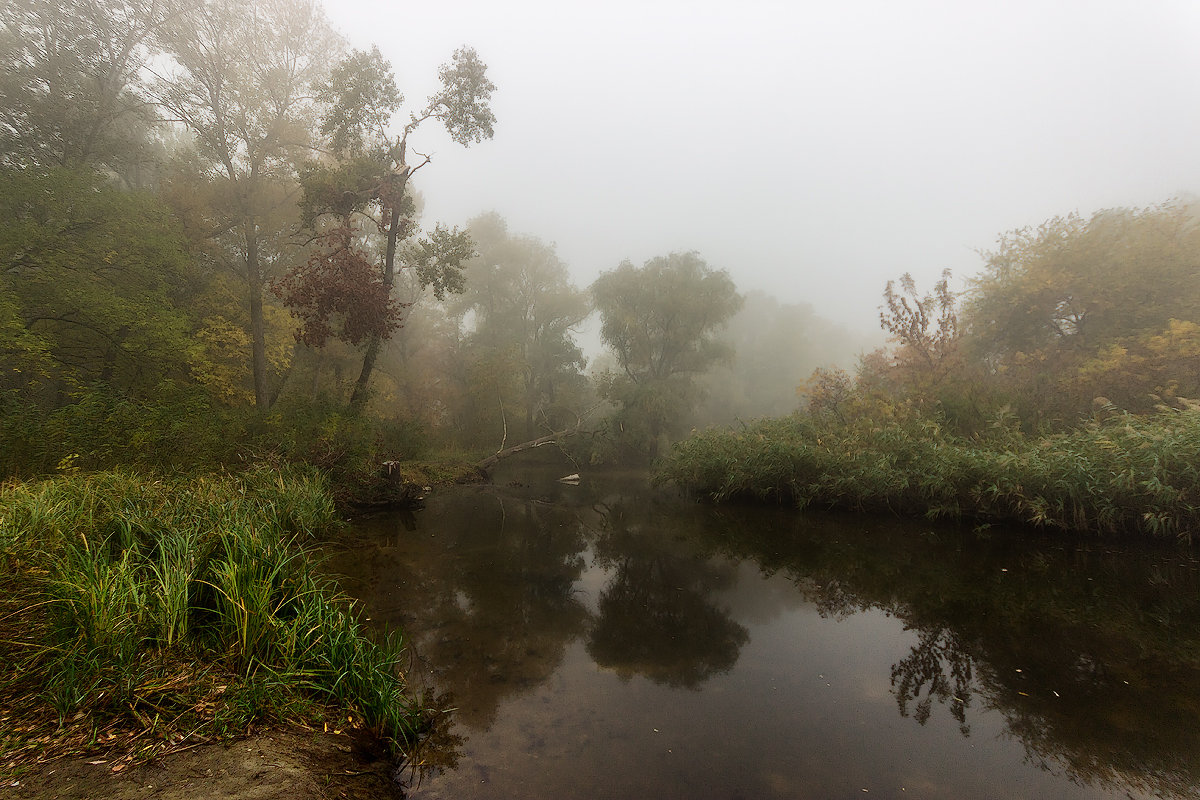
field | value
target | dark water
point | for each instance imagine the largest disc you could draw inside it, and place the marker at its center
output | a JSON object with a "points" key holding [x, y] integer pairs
{"points": [[608, 641]]}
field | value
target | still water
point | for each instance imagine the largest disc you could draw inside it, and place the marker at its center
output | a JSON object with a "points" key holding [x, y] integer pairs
{"points": [[608, 640]]}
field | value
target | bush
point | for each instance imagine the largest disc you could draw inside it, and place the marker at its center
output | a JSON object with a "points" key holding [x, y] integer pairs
{"points": [[1127, 474]]}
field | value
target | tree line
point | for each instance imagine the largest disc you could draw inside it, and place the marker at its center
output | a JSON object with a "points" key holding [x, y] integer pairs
{"points": [[212, 230], [211, 209], [1075, 320]]}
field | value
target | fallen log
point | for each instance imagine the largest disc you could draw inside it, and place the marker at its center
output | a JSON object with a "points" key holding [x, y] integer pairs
{"points": [[549, 438]]}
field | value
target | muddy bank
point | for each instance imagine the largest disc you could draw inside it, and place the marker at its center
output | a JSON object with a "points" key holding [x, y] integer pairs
{"points": [[288, 764]]}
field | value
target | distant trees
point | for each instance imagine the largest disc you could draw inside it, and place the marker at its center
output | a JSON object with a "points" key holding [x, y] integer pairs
{"points": [[1072, 317], [523, 311], [70, 91], [662, 321], [776, 345]]}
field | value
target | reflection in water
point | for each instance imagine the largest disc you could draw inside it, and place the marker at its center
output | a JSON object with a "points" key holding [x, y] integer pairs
{"points": [[939, 668], [1087, 657], [1091, 653], [655, 620], [494, 591], [655, 616]]}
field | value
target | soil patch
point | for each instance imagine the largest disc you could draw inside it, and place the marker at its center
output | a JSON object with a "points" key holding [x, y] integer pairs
{"points": [[283, 764]]}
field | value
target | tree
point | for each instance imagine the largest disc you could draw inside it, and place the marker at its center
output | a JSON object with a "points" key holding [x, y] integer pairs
{"points": [[1059, 311], [927, 366], [70, 91], [662, 321], [243, 79], [524, 308], [89, 281], [778, 345], [364, 197]]}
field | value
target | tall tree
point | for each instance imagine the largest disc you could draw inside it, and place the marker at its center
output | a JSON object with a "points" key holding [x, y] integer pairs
{"points": [[524, 308], [360, 206], [242, 81], [663, 322]]}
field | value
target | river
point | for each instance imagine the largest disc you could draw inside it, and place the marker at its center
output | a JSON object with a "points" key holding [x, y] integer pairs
{"points": [[609, 640]]}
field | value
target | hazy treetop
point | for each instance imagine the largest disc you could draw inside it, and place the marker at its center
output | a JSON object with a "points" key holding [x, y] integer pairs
{"points": [[813, 149]]}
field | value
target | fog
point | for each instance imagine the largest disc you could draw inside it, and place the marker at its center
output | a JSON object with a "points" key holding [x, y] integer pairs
{"points": [[812, 150]]}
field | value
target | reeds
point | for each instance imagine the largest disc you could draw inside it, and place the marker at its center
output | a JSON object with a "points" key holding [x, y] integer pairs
{"points": [[126, 583], [1128, 474]]}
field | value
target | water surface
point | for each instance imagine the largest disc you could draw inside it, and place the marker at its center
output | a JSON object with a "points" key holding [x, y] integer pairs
{"points": [[610, 641]]}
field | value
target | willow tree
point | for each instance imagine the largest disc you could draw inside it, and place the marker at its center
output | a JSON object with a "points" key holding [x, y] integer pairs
{"points": [[360, 208]]}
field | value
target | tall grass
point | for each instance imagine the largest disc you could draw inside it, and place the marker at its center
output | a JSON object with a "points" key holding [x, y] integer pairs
{"points": [[126, 583], [1129, 474]]}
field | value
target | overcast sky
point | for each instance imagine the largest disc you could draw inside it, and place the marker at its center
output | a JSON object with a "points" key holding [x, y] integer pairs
{"points": [[813, 150]]}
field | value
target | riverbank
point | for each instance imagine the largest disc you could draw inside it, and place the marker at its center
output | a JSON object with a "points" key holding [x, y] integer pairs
{"points": [[1135, 475], [283, 763], [143, 616]]}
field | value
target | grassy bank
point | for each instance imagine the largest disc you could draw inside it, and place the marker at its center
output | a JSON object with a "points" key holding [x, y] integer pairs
{"points": [[144, 614], [1129, 474], [367, 461]]}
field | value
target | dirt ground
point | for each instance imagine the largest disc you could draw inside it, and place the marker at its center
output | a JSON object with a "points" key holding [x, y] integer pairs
{"points": [[289, 764]]}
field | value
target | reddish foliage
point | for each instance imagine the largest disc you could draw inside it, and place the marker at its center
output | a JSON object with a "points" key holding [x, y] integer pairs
{"points": [[339, 286]]}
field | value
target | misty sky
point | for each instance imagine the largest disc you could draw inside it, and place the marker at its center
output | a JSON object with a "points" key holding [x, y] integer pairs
{"points": [[812, 149]]}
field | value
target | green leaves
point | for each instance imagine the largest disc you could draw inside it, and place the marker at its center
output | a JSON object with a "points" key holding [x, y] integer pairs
{"points": [[88, 281], [662, 322], [359, 96], [462, 104]]}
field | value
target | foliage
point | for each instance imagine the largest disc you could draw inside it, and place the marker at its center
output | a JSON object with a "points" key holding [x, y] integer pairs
{"points": [[662, 320], [926, 329], [1078, 309], [338, 282], [520, 335], [1127, 474], [70, 92], [89, 279], [367, 193], [184, 430], [241, 80], [127, 579]]}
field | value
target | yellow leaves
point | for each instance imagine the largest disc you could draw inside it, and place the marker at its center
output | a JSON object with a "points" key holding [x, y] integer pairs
{"points": [[221, 363], [67, 465]]}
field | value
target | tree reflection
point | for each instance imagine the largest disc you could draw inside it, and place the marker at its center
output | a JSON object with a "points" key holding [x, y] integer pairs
{"points": [[939, 667], [1091, 653], [486, 596], [655, 616], [655, 620]]}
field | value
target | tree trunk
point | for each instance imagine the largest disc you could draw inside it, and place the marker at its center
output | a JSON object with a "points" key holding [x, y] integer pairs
{"points": [[358, 400], [496, 457], [258, 337]]}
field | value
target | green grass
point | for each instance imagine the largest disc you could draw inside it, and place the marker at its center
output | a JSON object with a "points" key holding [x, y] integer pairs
{"points": [[1129, 474], [169, 606]]}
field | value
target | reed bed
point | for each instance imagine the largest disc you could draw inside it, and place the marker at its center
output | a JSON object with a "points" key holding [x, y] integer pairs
{"points": [[179, 609], [1138, 475]]}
